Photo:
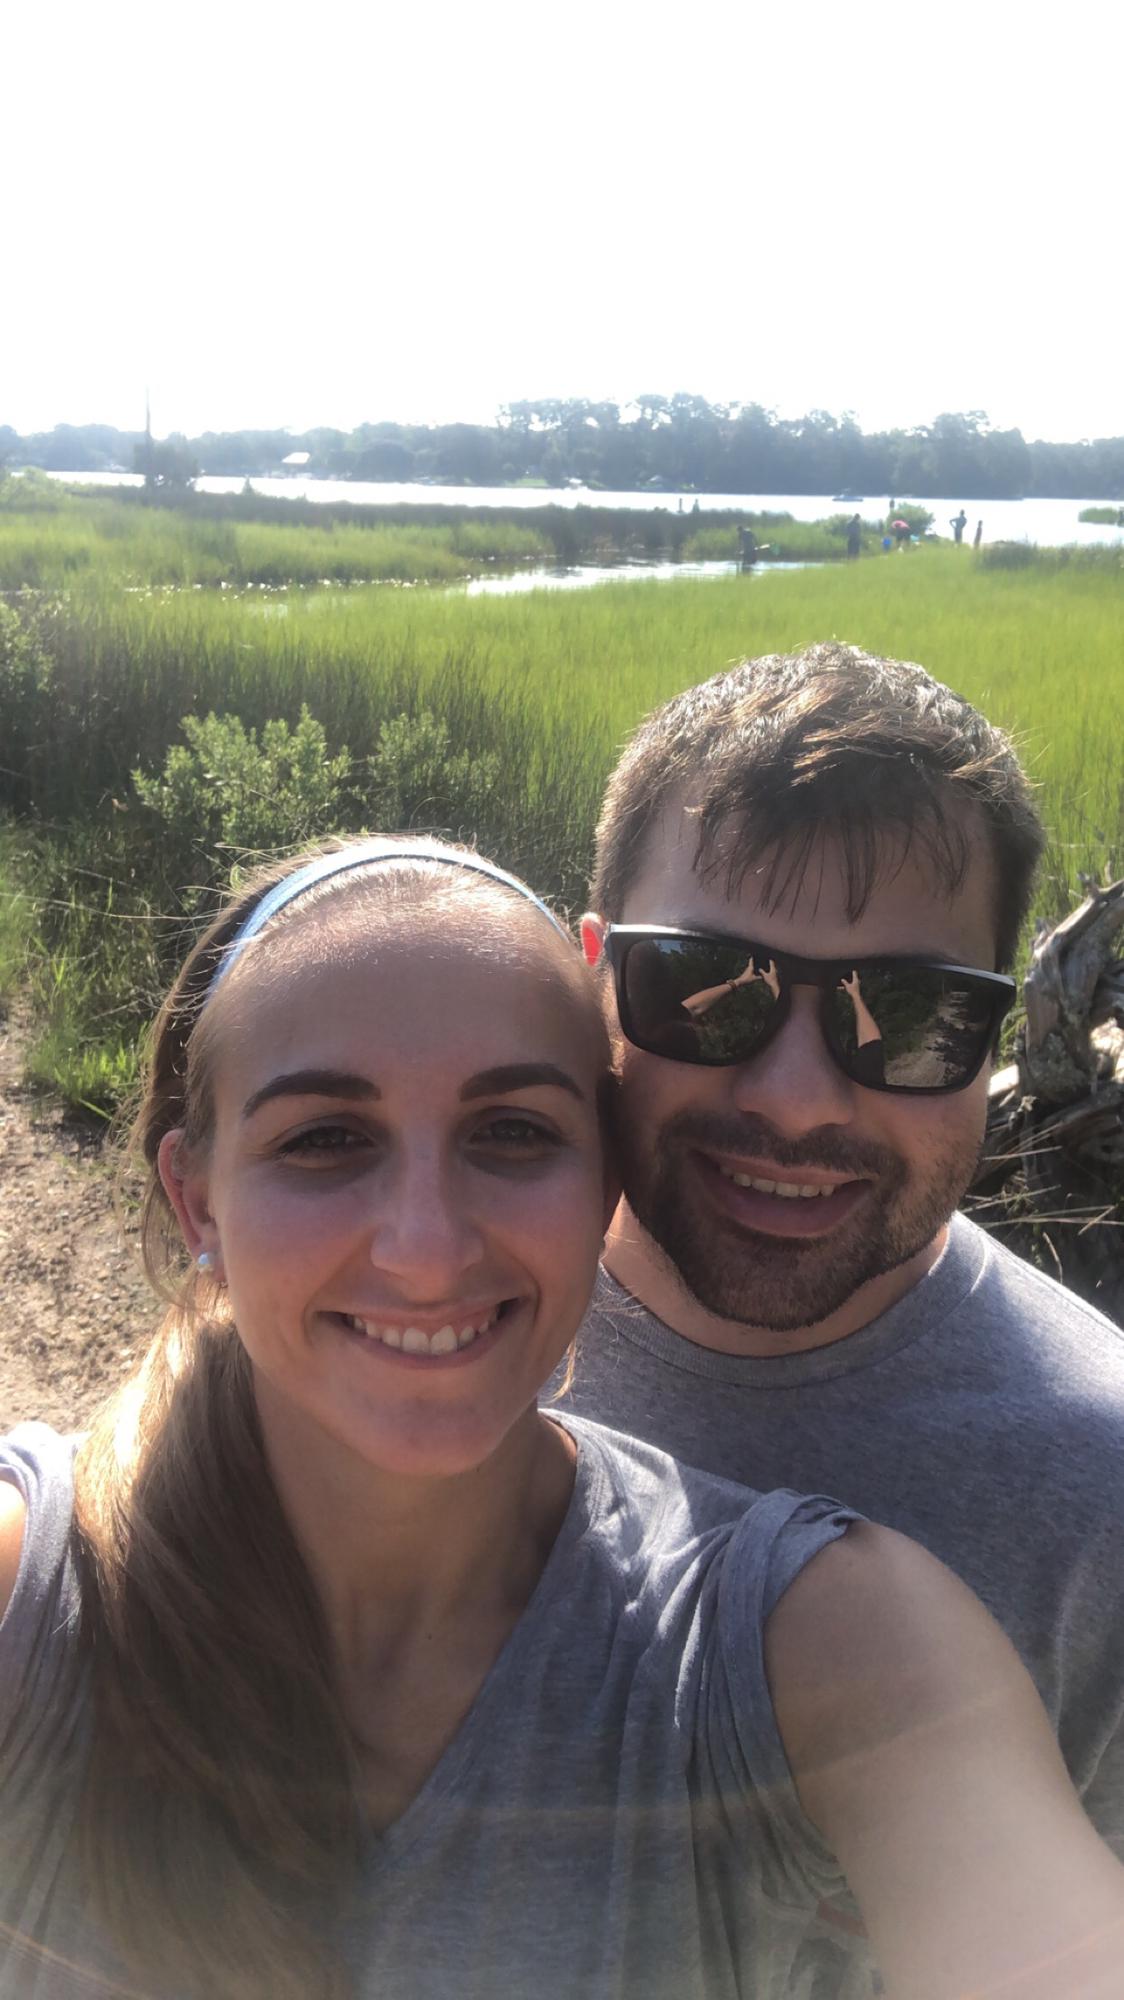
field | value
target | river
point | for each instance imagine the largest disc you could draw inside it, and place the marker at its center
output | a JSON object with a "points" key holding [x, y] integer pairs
{"points": [[1046, 521]]}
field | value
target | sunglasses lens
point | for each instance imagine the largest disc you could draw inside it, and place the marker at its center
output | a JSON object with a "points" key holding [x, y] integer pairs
{"points": [[697, 1001], [911, 1027]]}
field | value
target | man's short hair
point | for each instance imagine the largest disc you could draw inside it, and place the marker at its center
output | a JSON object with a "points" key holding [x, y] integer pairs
{"points": [[780, 751]]}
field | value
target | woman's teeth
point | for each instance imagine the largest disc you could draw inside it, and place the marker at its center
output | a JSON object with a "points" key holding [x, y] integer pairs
{"points": [[795, 1190], [412, 1339]]}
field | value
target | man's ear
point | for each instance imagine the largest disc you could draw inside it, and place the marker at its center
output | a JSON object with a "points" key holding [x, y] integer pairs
{"points": [[593, 930], [186, 1187]]}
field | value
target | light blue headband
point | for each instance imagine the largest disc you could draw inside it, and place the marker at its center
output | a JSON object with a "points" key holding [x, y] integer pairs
{"points": [[359, 856]]}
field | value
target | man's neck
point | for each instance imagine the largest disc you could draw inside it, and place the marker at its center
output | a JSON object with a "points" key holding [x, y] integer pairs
{"points": [[635, 1260]]}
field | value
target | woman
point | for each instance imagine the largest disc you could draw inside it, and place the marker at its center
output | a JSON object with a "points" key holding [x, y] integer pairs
{"points": [[332, 1666]]}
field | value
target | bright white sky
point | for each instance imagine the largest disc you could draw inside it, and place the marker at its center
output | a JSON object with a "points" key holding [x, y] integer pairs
{"points": [[288, 215]]}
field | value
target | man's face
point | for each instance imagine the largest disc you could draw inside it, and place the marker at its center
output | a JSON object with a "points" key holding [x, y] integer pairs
{"points": [[702, 1148]]}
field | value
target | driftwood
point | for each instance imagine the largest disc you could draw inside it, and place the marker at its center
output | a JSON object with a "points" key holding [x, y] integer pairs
{"points": [[1051, 1181]]}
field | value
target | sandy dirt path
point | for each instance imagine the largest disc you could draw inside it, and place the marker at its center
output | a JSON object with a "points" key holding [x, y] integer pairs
{"points": [[76, 1305]]}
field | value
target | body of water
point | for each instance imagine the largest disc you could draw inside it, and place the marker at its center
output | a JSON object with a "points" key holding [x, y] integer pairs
{"points": [[1047, 521], [580, 576]]}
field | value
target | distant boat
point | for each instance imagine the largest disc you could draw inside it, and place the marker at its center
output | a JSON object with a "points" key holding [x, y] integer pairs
{"points": [[855, 498]]}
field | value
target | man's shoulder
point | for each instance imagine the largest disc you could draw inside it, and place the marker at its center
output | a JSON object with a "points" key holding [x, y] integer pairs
{"points": [[1041, 1310]]}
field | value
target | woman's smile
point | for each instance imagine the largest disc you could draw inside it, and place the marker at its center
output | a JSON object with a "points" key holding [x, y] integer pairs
{"points": [[410, 1339]]}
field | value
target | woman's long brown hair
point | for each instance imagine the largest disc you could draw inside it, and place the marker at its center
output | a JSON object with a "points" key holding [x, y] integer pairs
{"points": [[219, 1823]]}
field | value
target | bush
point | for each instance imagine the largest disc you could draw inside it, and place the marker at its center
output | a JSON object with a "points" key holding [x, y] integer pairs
{"points": [[416, 777], [919, 518], [226, 790]]}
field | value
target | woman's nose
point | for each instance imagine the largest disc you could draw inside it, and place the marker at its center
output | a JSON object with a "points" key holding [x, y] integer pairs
{"points": [[424, 1229]]}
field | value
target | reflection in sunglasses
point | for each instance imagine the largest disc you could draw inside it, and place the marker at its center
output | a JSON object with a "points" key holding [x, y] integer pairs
{"points": [[867, 1063], [866, 1027], [697, 1004]]}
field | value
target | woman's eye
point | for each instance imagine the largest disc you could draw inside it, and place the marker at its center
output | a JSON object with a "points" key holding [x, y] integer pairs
{"points": [[514, 1134], [323, 1142]]}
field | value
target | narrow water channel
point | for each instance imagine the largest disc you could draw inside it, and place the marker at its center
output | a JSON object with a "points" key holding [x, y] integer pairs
{"points": [[581, 576]]}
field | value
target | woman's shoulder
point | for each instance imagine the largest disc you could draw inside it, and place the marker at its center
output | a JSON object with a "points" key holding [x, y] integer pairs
{"points": [[659, 1511], [39, 1698], [622, 1471], [13, 1516], [36, 1506]]}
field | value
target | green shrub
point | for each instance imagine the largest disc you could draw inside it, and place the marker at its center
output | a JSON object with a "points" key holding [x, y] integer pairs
{"points": [[227, 791], [919, 518], [417, 777]]}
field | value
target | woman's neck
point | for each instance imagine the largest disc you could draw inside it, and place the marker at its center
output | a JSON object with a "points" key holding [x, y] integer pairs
{"points": [[394, 1557]]}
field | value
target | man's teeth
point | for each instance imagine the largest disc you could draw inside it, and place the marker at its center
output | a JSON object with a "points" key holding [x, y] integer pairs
{"points": [[412, 1339], [791, 1190]]}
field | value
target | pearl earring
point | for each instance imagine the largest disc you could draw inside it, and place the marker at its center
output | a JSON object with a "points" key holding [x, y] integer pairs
{"points": [[205, 1261]]}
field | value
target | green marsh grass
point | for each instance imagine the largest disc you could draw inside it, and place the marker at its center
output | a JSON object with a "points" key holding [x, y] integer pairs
{"points": [[538, 691], [161, 546], [17, 914], [55, 537], [782, 539]]}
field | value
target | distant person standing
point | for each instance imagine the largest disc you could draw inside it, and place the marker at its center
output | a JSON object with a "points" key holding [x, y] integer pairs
{"points": [[958, 524], [854, 535], [901, 532], [977, 538], [747, 547]]}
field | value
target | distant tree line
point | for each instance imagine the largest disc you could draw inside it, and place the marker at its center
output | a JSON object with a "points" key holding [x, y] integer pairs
{"points": [[669, 442]]}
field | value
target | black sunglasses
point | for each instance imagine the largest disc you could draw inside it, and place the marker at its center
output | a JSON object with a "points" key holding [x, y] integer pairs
{"points": [[901, 1024]]}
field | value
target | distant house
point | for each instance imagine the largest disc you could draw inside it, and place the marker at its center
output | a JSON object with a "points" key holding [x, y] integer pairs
{"points": [[297, 461]]}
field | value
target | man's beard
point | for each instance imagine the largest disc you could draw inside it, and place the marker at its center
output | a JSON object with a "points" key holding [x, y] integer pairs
{"points": [[785, 1283]]}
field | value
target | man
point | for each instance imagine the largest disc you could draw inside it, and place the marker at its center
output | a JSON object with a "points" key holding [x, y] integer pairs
{"points": [[789, 1298]]}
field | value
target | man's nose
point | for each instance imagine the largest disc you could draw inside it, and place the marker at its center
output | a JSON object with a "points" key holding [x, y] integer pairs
{"points": [[794, 1083], [424, 1230]]}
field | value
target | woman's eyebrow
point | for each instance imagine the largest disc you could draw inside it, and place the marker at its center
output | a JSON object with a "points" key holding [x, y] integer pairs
{"points": [[519, 1076], [313, 1083]]}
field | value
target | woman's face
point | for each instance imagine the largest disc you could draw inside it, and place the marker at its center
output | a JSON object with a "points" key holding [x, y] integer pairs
{"points": [[405, 1192]]}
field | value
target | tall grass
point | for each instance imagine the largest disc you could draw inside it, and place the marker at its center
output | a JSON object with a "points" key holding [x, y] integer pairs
{"points": [[51, 540], [139, 547], [537, 692], [17, 914], [782, 539]]}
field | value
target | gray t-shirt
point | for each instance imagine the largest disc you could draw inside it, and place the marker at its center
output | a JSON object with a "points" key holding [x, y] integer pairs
{"points": [[983, 1414], [614, 1819]]}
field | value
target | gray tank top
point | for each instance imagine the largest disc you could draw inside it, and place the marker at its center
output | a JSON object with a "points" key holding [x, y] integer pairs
{"points": [[615, 1819]]}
